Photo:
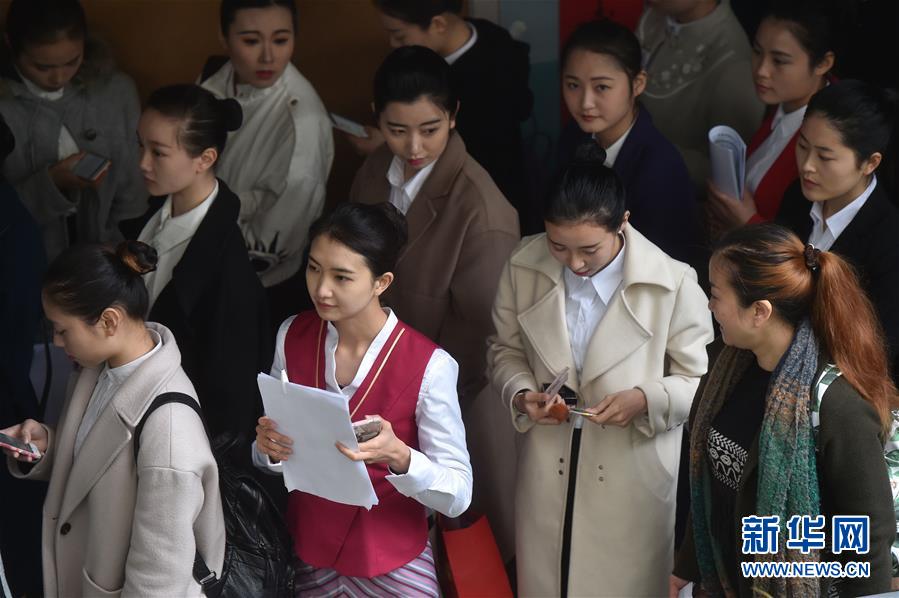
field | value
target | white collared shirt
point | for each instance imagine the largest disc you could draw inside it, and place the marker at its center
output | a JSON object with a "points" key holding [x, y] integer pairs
{"points": [[586, 302], [613, 150], [826, 232], [108, 384], [66, 145], [472, 40], [783, 126], [403, 192], [439, 475], [170, 236]]}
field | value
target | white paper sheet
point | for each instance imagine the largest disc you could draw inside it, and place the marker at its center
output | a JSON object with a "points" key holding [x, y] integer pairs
{"points": [[727, 156], [315, 420], [686, 591], [348, 126]]}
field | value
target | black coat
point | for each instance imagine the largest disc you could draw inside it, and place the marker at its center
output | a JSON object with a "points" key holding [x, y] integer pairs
{"points": [[491, 81], [217, 310], [871, 244]]}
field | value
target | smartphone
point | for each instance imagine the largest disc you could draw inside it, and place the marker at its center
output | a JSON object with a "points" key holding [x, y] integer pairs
{"points": [[90, 166], [367, 429], [17, 445]]}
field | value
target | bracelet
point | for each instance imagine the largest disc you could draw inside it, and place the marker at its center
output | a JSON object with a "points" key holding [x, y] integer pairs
{"points": [[520, 393]]}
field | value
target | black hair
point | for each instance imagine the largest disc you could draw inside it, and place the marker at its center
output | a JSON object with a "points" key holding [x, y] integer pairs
{"points": [[87, 279], [587, 190], [810, 23], [43, 21], [865, 116], [418, 12], [205, 120], [411, 72], [377, 232], [608, 38], [229, 8]]}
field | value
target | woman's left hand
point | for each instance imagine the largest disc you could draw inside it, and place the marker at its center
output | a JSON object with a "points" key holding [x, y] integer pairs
{"points": [[619, 408], [730, 212], [383, 448]]}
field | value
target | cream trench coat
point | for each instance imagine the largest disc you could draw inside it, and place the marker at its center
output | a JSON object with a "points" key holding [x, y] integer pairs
{"points": [[652, 337], [108, 532]]}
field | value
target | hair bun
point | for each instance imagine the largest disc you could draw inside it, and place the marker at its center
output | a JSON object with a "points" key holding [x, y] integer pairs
{"points": [[139, 257], [590, 153], [232, 113]]}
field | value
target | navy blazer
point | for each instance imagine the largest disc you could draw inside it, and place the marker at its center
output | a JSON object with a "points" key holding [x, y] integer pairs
{"points": [[660, 196], [870, 243], [217, 310]]}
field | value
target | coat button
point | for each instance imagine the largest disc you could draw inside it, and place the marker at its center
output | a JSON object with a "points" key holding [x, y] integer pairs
{"points": [[600, 466], [601, 478], [561, 460], [560, 472], [65, 528], [90, 134]]}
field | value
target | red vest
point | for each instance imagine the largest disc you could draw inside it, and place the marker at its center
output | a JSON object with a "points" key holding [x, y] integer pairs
{"points": [[781, 174], [349, 539]]}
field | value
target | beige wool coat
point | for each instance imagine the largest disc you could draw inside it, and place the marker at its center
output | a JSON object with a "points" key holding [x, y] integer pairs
{"points": [[461, 232], [111, 528], [652, 337]]}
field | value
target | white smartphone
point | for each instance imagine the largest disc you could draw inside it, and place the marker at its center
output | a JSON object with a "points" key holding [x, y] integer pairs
{"points": [[348, 126], [90, 166], [14, 444]]}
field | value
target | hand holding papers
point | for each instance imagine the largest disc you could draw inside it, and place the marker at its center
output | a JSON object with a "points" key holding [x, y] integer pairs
{"points": [[316, 420], [727, 156]]}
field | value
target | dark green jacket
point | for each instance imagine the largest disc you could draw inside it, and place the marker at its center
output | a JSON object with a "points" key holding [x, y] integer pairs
{"points": [[853, 480]]}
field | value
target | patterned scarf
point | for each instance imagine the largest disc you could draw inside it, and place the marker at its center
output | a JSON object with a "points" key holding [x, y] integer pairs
{"points": [[787, 475]]}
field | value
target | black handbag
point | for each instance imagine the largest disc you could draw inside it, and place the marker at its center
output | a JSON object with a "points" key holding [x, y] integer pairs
{"points": [[258, 549]]}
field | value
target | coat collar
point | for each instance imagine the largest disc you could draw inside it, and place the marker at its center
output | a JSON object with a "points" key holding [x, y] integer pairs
{"points": [[200, 261], [114, 429], [857, 232]]}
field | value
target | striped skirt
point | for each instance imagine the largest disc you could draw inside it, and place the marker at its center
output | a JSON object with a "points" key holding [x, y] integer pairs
{"points": [[416, 578]]}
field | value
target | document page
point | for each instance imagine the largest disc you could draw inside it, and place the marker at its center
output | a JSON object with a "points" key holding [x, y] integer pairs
{"points": [[727, 155]]}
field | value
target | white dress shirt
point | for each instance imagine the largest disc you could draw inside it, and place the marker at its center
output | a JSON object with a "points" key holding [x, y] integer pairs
{"points": [[108, 384], [783, 127], [439, 475], [170, 236], [403, 192], [586, 302], [472, 40], [613, 150], [826, 232], [277, 163]]}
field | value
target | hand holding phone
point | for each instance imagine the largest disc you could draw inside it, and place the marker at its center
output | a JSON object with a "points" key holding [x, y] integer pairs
{"points": [[90, 167], [367, 428], [19, 448]]}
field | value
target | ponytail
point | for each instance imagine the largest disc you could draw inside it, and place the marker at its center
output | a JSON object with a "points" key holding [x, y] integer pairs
{"points": [[767, 262], [847, 326]]}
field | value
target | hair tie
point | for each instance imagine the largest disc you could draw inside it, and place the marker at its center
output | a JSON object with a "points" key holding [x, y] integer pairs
{"points": [[811, 258]]}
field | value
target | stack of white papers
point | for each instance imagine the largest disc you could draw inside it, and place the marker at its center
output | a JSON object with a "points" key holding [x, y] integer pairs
{"points": [[316, 420], [727, 155]]}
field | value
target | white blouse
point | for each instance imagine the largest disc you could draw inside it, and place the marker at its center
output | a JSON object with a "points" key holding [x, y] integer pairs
{"points": [[277, 163], [108, 384], [403, 192], [826, 232], [169, 236], [439, 475], [783, 126]]}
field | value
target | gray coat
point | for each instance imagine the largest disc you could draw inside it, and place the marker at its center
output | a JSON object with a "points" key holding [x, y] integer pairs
{"points": [[100, 108]]}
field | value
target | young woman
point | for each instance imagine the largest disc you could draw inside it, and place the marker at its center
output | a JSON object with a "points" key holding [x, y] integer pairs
{"points": [[461, 228], [205, 288], [594, 297], [786, 310], [278, 162], [845, 159], [791, 58], [113, 525], [64, 100], [602, 77], [352, 346]]}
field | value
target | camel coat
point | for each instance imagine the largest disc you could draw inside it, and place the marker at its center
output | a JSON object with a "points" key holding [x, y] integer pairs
{"points": [[461, 232], [113, 528], [652, 337]]}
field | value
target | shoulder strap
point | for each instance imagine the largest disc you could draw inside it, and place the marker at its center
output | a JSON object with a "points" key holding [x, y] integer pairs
{"points": [[830, 373], [201, 572]]}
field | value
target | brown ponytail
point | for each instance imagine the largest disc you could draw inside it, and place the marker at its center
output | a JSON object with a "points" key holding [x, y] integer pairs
{"points": [[768, 262]]}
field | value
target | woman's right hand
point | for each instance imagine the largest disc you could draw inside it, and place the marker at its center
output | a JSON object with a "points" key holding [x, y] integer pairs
{"points": [[675, 585], [271, 443], [537, 405], [28, 431]]}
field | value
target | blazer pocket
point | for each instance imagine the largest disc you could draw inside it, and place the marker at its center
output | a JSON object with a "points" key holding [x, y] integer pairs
{"points": [[92, 588]]}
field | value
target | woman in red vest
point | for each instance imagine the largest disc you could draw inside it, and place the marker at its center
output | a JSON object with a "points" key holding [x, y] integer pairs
{"points": [[353, 346], [792, 56]]}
